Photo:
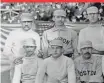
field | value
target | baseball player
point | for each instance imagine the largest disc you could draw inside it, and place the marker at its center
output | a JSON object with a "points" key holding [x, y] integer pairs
{"points": [[13, 47], [57, 68], [94, 32], [59, 31], [26, 72], [88, 66]]}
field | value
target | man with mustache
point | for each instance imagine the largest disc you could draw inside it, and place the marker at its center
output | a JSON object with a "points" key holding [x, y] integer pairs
{"points": [[94, 32], [12, 49], [88, 65]]}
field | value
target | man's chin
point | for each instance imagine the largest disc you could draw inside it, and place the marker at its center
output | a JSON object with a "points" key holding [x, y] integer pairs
{"points": [[26, 28], [55, 56]]}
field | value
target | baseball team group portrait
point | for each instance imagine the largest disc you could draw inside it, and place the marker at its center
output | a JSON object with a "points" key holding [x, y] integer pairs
{"points": [[52, 42]]}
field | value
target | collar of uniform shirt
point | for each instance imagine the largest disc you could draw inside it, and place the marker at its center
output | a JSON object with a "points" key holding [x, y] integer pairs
{"points": [[57, 58], [82, 61], [95, 25], [59, 29], [32, 57]]}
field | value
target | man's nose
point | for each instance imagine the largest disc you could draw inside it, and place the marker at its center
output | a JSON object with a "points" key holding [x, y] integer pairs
{"points": [[55, 50], [26, 23], [60, 18]]}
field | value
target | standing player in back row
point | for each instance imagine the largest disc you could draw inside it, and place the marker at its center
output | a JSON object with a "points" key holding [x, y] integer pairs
{"points": [[94, 32], [59, 31]]}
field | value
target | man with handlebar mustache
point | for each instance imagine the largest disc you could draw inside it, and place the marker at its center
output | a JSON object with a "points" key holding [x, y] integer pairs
{"points": [[88, 66]]}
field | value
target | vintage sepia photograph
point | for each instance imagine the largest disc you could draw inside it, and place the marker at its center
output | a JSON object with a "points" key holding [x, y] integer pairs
{"points": [[52, 42]]}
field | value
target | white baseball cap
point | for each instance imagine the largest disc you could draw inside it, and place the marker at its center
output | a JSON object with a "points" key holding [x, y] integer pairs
{"points": [[85, 44], [92, 9], [59, 12], [29, 42], [26, 17], [56, 42]]}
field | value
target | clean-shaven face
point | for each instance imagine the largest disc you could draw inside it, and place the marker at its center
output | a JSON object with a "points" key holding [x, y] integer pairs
{"points": [[93, 17], [59, 20], [56, 51]]}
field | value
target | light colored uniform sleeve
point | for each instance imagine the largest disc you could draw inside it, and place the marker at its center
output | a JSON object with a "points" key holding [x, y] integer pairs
{"points": [[71, 72], [98, 77], [8, 45], [17, 74], [103, 65], [72, 46], [45, 45], [75, 43], [100, 46], [76, 71], [41, 74], [37, 38], [74, 40], [80, 39]]}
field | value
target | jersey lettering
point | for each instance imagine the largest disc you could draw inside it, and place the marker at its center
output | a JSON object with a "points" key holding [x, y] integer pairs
{"points": [[65, 41], [88, 72]]}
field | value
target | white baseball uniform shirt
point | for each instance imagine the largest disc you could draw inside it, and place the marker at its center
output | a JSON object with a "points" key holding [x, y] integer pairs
{"points": [[68, 36], [60, 70], [93, 33], [13, 42], [89, 70], [27, 71]]}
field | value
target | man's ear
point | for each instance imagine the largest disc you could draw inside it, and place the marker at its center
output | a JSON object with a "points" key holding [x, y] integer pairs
{"points": [[53, 18]]}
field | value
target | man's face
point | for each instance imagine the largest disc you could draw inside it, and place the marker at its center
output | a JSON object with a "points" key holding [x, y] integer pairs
{"points": [[29, 50], [59, 20], [93, 17], [56, 51], [86, 52], [26, 25]]}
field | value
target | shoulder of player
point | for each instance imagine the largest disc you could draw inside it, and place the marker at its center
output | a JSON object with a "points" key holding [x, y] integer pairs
{"points": [[71, 30], [96, 57], [84, 29], [15, 31], [35, 33], [39, 59], [49, 30], [47, 60], [67, 59], [76, 60]]}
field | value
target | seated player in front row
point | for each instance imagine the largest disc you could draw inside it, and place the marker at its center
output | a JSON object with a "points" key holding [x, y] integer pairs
{"points": [[27, 71], [88, 66], [57, 68]]}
